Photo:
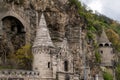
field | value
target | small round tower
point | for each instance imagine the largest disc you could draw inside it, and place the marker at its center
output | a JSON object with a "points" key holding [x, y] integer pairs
{"points": [[105, 50], [41, 51]]}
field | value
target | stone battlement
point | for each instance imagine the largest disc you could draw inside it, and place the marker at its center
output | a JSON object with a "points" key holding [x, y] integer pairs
{"points": [[19, 73]]}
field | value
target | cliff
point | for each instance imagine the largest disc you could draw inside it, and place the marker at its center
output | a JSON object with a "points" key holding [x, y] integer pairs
{"points": [[65, 19]]}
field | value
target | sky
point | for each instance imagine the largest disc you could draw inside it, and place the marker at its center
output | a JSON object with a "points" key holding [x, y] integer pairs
{"points": [[110, 8]]}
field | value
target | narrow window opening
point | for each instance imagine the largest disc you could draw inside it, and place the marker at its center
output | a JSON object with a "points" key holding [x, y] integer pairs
{"points": [[101, 52], [66, 65], [48, 64], [36, 68]]}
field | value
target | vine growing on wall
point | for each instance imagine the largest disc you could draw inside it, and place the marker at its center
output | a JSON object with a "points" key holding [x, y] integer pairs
{"points": [[98, 57]]}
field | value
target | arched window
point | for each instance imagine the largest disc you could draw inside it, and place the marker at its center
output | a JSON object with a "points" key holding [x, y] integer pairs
{"points": [[66, 65], [106, 44], [48, 64], [100, 45]]}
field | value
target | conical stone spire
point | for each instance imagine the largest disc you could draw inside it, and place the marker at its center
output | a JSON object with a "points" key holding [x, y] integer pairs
{"points": [[64, 45], [103, 37], [42, 37]]}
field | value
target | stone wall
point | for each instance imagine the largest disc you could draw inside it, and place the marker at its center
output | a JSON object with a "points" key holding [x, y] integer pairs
{"points": [[19, 74], [106, 56]]}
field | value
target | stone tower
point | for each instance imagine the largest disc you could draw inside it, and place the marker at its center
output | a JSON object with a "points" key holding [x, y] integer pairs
{"points": [[105, 50], [107, 56], [41, 51]]}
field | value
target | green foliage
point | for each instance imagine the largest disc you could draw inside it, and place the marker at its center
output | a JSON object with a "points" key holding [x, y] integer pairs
{"points": [[114, 38], [98, 57], [76, 3], [91, 28], [107, 76], [23, 57], [118, 72], [6, 67], [90, 35], [95, 23]]}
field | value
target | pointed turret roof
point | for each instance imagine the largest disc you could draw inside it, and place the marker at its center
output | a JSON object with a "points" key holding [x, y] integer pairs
{"points": [[64, 44], [42, 37], [103, 38]]}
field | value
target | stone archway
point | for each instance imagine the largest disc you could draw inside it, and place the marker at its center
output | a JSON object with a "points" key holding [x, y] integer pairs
{"points": [[24, 21], [14, 32], [13, 14]]}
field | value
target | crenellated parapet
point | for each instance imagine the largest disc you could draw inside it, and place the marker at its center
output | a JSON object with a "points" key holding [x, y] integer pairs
{"points": [[18, 74]]}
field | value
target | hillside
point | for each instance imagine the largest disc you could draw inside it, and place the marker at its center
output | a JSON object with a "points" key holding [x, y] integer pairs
{"points": [[96, 22]]}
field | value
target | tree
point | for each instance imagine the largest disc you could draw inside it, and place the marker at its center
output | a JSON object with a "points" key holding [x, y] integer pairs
{"points": [[118, 72], [23, 57], [114, 38], [107, 76]]}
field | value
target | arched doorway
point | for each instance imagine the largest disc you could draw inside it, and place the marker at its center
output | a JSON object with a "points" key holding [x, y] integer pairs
{"points": [[14, 31], [67, 77]]}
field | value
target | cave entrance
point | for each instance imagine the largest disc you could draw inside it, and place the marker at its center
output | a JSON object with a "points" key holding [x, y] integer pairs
{"points": [[12, 24], [14, 31]]}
